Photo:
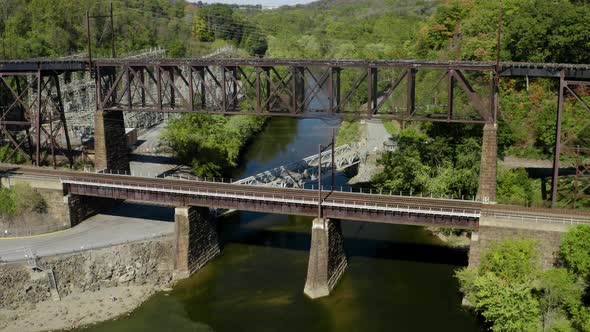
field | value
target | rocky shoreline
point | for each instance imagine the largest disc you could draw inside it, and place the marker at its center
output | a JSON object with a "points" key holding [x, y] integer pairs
{"points": [[94, 286]]}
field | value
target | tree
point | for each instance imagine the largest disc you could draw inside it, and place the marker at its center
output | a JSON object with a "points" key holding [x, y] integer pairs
{"points": [[575, 251], [559, 293], [501, 288]]}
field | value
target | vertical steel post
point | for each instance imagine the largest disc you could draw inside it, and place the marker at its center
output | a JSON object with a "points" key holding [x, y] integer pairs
{"points": [[38, 119], [159, 87], [411, 94], [191, 90], [171, 83], [129, 95], [331, 89], [223, 89], [451, 93], [258, 90], [234, 94], [338, 87], [52, 140], [142, 78], [294, 89], [62, 116], [203, 86], [557, 150], [268, 88], [370, 92]]}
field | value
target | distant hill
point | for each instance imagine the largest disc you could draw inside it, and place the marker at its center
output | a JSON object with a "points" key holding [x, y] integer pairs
{"points": [[426, 7]]}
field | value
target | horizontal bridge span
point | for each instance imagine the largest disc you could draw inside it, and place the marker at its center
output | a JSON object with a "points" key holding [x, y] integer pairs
{"points": [[508, 69], [390, 209], [304, 202]]}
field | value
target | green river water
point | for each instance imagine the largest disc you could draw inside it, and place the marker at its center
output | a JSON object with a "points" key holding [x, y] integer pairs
{"points": [[400, 278]]}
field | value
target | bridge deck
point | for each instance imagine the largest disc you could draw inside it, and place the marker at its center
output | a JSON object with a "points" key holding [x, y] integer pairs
{"points": [[339, 205]]}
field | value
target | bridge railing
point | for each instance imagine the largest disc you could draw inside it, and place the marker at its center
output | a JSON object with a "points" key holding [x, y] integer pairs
{"points": [[308, 186], [297, 199]]}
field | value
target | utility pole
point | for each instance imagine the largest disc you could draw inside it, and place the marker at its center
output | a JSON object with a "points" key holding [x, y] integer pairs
{"points": [[322, 149], [498, 50], [4, 46], [113, 53], [88, 39]]}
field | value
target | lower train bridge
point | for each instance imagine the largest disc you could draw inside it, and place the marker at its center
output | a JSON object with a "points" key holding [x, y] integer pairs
{"points": [[195, 230]]}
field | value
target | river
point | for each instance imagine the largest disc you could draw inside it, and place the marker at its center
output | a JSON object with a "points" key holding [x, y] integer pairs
{"points": [[400, 278]]}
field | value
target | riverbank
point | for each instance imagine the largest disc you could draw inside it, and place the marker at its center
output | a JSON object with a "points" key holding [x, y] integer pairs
{"points": [[77, 309], [458, 241], [94, 285]]}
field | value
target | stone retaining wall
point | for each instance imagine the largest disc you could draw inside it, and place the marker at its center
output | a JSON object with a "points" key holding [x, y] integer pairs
{"points": [[139, 263], [493, 230]]}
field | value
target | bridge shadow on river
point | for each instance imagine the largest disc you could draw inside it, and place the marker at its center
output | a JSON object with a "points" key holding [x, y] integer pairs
{"points": [[232, 230]]}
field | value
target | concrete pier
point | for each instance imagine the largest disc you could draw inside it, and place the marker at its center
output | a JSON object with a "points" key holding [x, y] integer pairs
{"points": [[327, 260], [196, 240], [110, 144]]}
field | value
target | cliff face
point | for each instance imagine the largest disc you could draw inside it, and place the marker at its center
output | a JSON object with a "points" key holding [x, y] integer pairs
{"points": [[150, 262]]}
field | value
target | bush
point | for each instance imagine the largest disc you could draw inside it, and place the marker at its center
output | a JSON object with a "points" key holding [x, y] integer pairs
{"points": [[20, 200]]}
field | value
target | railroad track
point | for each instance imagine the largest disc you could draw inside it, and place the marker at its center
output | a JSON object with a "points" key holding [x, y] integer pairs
{"points": [[295, 194]]}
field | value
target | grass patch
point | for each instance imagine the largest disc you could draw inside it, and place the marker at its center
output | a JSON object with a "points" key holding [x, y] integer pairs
{"points": [[348, 133], [392, 127]]}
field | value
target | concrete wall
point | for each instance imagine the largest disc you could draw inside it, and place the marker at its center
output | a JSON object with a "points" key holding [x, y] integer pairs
{"points": [[492, 230], [134, 263]]}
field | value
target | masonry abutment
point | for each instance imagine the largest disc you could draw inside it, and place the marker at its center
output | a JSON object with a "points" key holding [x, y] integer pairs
{"points": [[196, 240], [493, 230], [327, 259], [488, 169], [110, 143]]}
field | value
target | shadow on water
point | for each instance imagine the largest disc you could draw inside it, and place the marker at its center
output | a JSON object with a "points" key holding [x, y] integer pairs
{"points": [[358, 247]]}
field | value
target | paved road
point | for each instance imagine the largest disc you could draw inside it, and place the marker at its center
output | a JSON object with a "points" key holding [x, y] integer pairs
{"points": [[117, 227], [146, 158]]}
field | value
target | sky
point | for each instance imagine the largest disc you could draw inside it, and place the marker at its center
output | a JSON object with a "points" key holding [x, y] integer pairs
{"points": [[259, 2]]}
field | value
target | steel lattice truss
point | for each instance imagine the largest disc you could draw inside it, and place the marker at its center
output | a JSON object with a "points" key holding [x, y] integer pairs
{"points": [[572, 143], [32, 120], [455, 93]]}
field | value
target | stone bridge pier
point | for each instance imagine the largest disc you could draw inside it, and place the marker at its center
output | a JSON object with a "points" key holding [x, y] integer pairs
{"points": [[196, 240], [327, 259], [110, 144], [488, 164]]}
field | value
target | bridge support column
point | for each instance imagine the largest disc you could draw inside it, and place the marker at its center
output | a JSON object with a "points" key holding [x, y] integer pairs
{"points": [[487, 173], [196, 240], [110, 144], [327, 260]]}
